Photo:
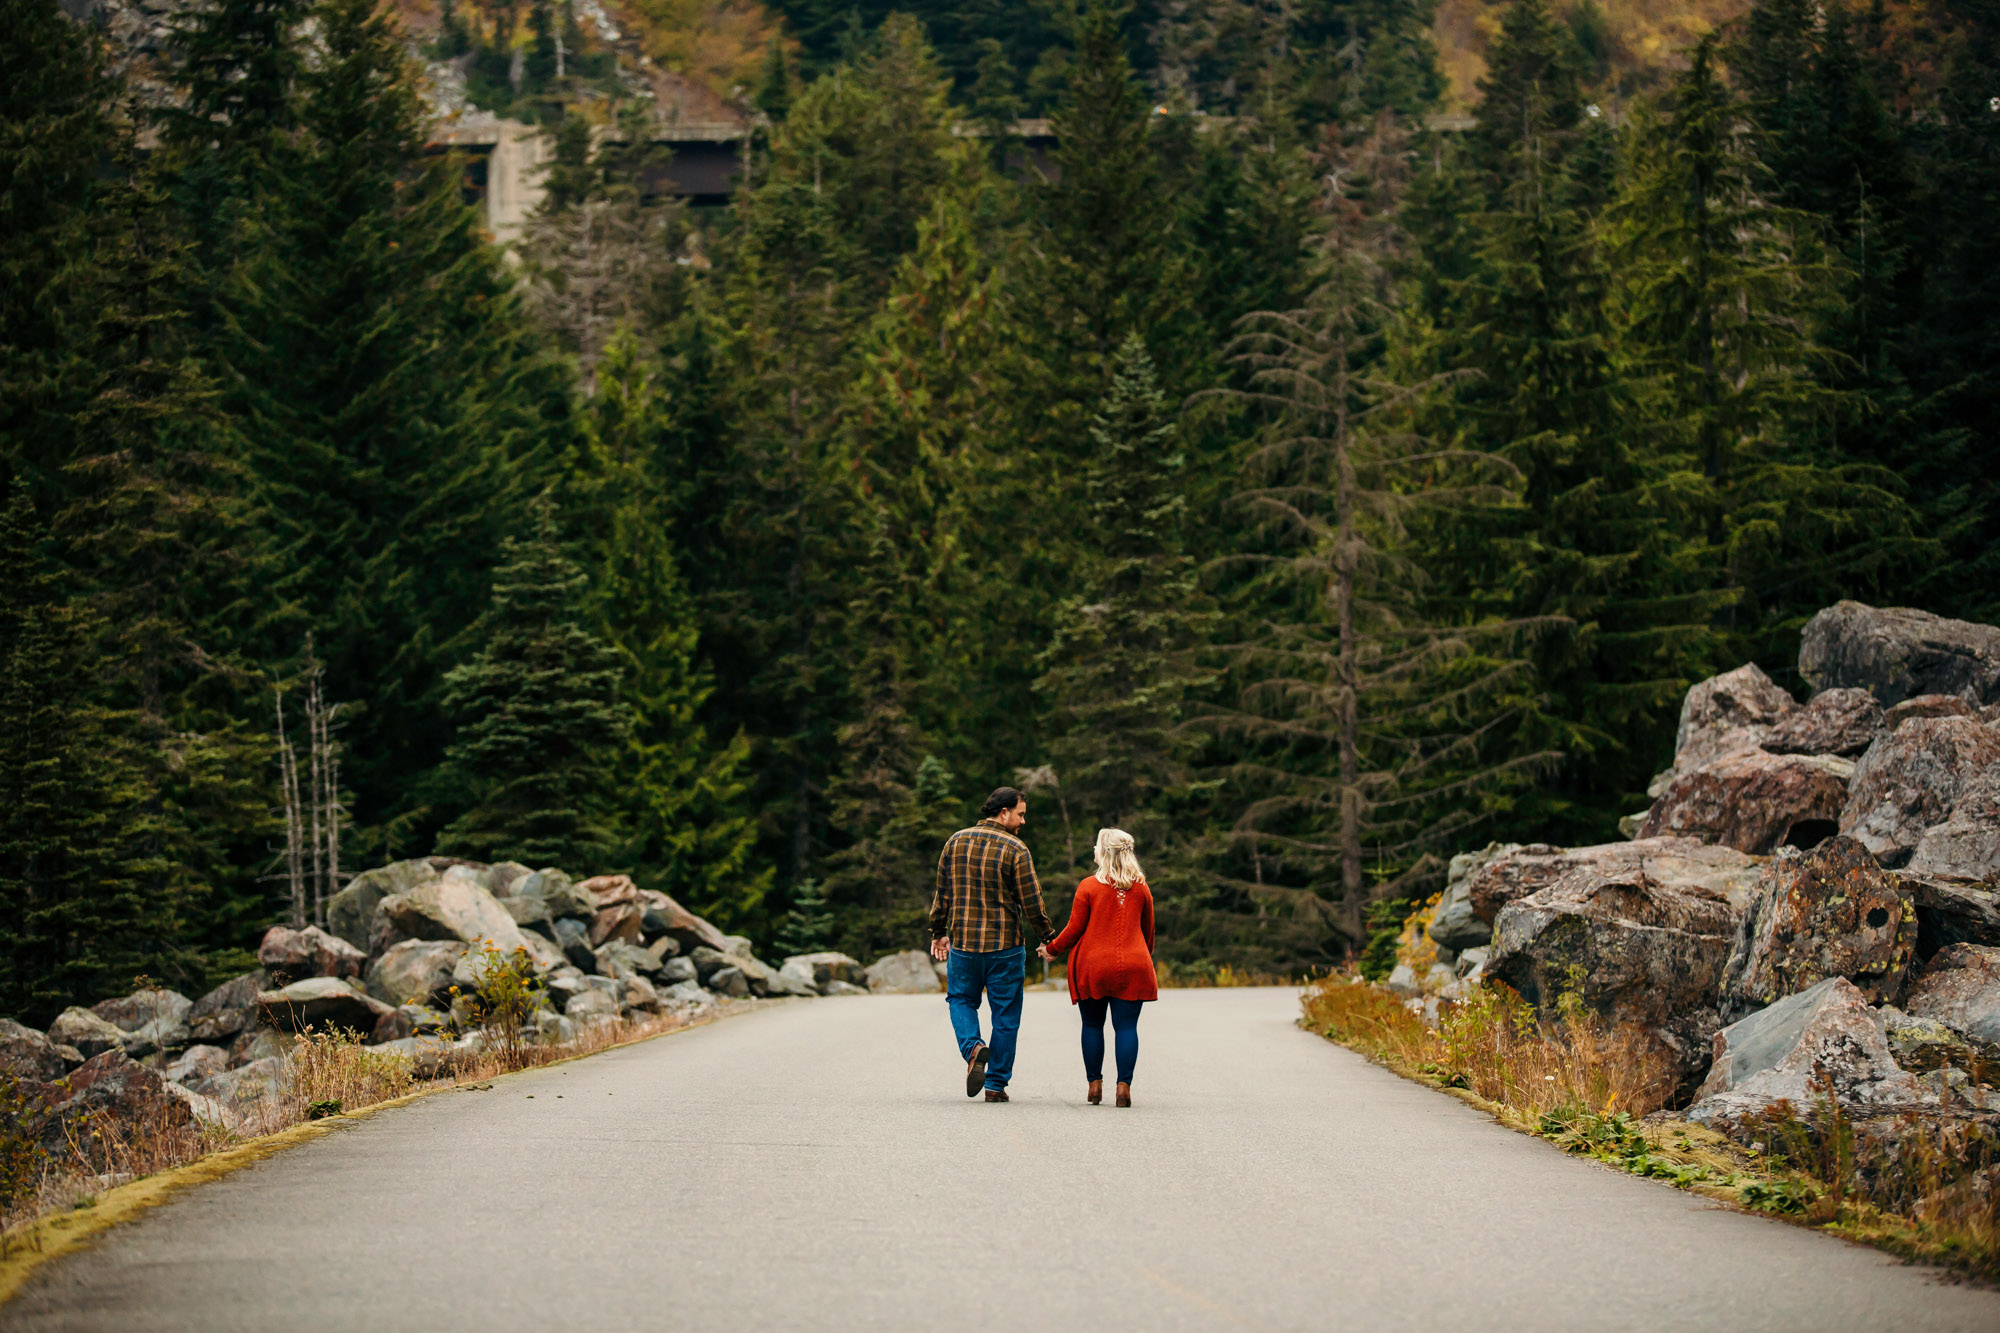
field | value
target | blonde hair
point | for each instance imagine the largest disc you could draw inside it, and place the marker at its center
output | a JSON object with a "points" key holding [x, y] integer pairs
{"points": [[1116, 865]]}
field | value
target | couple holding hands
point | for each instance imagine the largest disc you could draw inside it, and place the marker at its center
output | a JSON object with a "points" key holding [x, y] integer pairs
{"points": [[988, 900]]}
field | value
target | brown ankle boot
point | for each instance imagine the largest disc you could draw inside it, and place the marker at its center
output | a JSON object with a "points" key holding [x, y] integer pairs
{"points": [[1096, 1094], [1124, 1094]]}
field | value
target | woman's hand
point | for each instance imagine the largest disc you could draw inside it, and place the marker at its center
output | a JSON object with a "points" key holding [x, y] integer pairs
{"points": [[1043, 950]]}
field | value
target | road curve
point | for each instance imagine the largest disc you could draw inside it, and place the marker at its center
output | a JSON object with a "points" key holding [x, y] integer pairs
{"points": [[816, 1164]]}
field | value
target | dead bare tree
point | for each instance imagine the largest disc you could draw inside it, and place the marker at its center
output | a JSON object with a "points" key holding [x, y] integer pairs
{"points": [[288, 787]]}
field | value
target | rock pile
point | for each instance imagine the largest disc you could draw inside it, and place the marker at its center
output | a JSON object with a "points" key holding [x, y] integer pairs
{"points": [[1811, 905], [407, 946]]}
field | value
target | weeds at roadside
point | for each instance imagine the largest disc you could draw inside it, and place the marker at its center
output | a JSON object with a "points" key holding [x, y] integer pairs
{"points": [[1925, 1188]]}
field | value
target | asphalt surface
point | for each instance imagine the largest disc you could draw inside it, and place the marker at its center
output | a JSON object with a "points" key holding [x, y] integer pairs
{"points": [[816, 1165]]}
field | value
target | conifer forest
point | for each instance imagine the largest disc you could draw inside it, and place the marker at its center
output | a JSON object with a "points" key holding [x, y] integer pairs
{"points": [[1339, 446]]}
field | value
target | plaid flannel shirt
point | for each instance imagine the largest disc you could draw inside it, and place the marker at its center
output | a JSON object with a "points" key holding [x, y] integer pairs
{"points": [[987, 892]]}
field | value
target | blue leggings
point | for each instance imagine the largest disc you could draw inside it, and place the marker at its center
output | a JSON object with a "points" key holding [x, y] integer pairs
{"points": [[1124, 1026]]}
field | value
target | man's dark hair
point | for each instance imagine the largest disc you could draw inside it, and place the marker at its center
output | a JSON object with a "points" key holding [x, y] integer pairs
{"points": [[1003, 798]]}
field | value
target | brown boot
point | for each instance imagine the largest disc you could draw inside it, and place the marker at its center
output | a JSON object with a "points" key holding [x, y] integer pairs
{"points": [[997, 1095], [1124, 1094], [1096, 1094], [975, 1070]]}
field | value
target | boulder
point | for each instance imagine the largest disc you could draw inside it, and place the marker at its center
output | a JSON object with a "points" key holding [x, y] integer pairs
{"points": [[757, 974], [707, 962], [1927, 705], [1896, 653], [664, 947], [843, 988], [687, 1000], [241, 1089], [911, 972], [196, 1062], [564, 985], [826, 966], [529, 911], [350, 913], [622, 960], [656, 920], [1967, 844], [557, 893], [429, 1057], [1515, 871], [1960, 988], [415, 971], [455, 906], [1754, 801], [206, 1110], [108, 1088], [795, 982], [323, 1004], [89, 1033], [1829, 912], [677, 970], [1454, 925], [1911, 778], [739, 945], [152, 1020], [553, 1029], [619, 921], [1839, 721], [28, 1054], [504, 877], [260, 1044], [729, 981], [589, 1001], [229, 1009], [1922, 1044], [291, 955], [1726, 713], [1784, 1052], [684, 927], [636, 994], [573, 940], [1952, 911], [1635, 948], [605, 890]]}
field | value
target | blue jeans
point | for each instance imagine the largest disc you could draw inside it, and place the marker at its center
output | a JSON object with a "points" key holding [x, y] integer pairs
{"points": [[999, 974], [1125, 1026]]}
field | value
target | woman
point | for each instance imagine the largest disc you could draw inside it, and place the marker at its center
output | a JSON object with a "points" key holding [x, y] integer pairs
{"points": [[1111, 929]]}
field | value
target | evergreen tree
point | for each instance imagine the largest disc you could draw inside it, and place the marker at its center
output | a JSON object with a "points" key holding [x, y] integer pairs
{"points": [[808, 924], [1118, 669], [542, 726]]}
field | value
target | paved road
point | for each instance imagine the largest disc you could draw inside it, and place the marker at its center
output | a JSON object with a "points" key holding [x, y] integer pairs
{"points": [[816, 1165]]}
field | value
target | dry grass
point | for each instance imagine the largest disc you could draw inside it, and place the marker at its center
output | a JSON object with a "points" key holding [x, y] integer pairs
{"points": [[1927, 1188], [1202, 976]]}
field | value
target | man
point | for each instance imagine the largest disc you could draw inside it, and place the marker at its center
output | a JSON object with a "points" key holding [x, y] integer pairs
{"points": [[987, 897]]}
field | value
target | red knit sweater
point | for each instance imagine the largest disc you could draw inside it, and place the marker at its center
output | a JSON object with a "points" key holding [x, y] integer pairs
{"points": [[1112, 933]]}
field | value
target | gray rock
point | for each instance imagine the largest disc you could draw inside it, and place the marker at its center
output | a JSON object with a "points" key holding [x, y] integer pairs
{"points": [[555, 893], [1724, 714], [553, 1029], [1515, 871], [206, 1110], [796, 973], [687, 999], [563, 985], [228, 1010], [1829, 912], [622, 960], [759, 976], [573, 938], [109, 1088], [1454, 925], [685, 928], [292, 955], [1922, 1044], [820, 968], [1952, 911], [323, 1004], [1967, 844], [911, 972], [1634, 948], [590, 1002], [707, 962], [663, 948], [28, 1054], [429, 1057], [794, 983], [729, 981], [415, 971], [1403, 981], [843, 988], [1911, 778], [242, 1089], [87, 1032], [1754, 801], [260, 1044], [1841, 721], [636, 995], [196, 1062], [1471, 966], [1960, 988], [145, 1008], [677, 970], [1773, 1056], [738, 944], [529, 911], [1896, 653], [350, 913], [503, 878], [455, 906]]}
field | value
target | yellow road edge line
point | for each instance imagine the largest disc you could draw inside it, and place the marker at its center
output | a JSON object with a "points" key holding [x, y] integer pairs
{"points": [[28, 1247]]}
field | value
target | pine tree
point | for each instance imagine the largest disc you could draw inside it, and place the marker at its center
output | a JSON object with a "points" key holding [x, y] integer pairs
{"points": [[541, 724], [1118, 670], [807, 926]]}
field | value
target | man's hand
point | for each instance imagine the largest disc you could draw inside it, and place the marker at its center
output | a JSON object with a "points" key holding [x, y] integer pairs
{"points": [[941, 947]]}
